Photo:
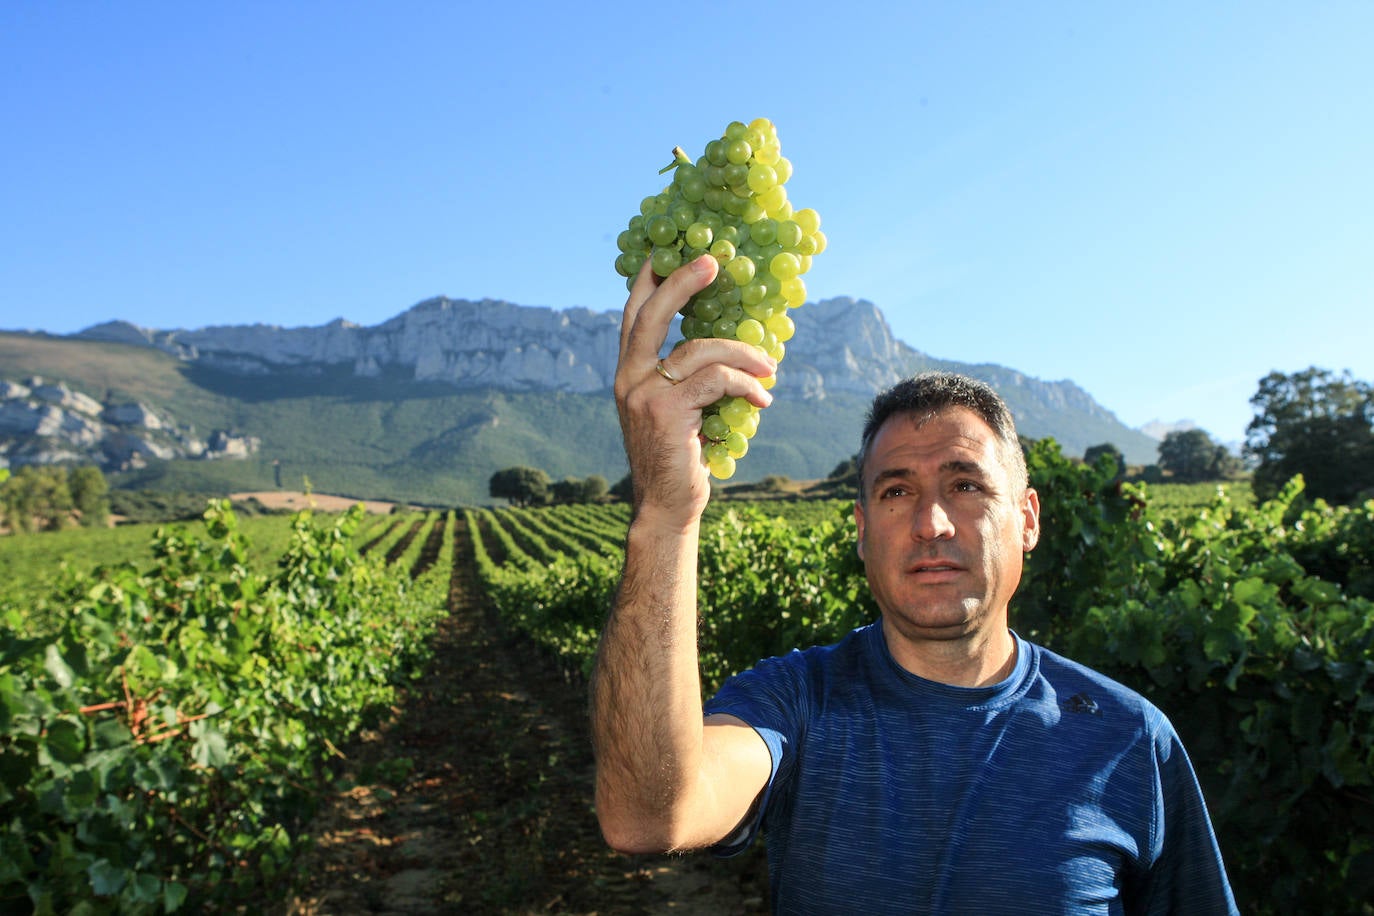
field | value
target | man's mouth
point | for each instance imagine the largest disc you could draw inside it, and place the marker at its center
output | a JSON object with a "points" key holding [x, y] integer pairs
{"points": [[933, 567]]}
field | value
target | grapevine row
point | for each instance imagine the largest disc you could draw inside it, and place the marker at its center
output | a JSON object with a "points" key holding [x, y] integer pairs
{"points": [[161, 748]]}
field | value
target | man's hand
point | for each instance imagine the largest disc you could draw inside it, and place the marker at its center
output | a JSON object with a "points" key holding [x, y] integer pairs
{"points": [[660, 419], [664, 780]]}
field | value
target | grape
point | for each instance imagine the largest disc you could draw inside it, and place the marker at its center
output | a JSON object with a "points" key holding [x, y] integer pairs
{"points": [[785, 266], [666, 260], [781, 325], [751, 331], [761, 177], [715, 428], [741, 269], [698, 235], [735, 411], [731, 202], [707, 309], [764, 232], [662, 230], [809, 220], [789, 233]]}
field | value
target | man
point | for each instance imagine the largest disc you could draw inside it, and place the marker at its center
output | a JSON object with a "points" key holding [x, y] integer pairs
{"points": [[932, 762]]}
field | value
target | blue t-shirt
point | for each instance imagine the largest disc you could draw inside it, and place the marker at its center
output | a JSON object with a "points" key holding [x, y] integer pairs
{"points": [[1057, 790]]}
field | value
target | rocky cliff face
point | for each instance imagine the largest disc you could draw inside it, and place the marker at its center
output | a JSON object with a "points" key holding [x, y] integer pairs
{"points": [[487, 344], [44, 423], [842, 346]]}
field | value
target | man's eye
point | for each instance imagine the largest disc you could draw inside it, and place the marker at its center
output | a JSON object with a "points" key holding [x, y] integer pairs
{"points": [[892, 491], [967, 486]]}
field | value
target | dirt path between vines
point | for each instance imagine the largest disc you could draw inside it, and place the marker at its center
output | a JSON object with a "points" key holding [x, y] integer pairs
{"points": [[476, 798]]}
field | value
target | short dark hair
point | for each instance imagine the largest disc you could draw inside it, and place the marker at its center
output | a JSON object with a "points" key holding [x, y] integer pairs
{"points": [[928, 393]]}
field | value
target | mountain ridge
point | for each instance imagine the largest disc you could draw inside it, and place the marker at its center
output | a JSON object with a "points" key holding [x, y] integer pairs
{"points": [[464, 385]]}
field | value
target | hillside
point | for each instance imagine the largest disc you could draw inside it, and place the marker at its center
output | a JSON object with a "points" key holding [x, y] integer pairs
{"points": [[425, 407]]}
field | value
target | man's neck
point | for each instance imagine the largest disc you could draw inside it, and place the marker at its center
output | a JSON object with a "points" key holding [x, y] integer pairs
{"points": [[974, 660]]}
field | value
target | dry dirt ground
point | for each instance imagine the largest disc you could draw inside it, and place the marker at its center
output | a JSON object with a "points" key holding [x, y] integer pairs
{"points": [[294, 500], [476, 798]]}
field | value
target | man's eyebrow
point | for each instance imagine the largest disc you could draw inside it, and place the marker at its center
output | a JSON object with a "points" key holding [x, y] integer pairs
{"points": [[964, 467], [890, 474]]}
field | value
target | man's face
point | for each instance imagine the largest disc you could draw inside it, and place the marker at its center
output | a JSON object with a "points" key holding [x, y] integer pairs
{"points": [[943, 526]]}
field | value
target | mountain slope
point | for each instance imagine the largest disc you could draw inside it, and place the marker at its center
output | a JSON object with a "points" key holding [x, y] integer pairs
{"points": [[427, 405]]}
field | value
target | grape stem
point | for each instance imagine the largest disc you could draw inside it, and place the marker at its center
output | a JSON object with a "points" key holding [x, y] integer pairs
{"points": [[679, 158]]}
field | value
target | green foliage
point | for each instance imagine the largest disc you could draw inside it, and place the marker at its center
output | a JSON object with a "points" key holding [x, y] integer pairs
{"points": [[1225, 619], [37, 498], [1191, 455], [48, 497], [572, 490], [1084, 511], [90, 495], [766, 586], [1094, 453], [526, 487], [521, 486], [1317, 424], [156, 506], [161, 749], [1173, 498], [1251, 626]]}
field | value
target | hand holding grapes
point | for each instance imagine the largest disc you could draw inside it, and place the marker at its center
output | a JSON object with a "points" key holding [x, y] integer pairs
{"points": [[731, 205], [661, 414]]}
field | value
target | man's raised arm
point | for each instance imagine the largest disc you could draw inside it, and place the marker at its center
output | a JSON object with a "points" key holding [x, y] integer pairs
{"points": [[664, 779]]}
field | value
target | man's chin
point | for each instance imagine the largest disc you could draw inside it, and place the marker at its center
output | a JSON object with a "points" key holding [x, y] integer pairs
{"points": [[934, 627]]}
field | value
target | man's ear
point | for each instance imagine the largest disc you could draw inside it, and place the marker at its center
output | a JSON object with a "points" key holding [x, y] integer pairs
{"points": [[1030, 515], [859, 523]]}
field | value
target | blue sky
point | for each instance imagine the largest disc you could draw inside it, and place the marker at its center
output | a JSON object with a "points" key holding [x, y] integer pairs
{"points": [[1161, 202]]}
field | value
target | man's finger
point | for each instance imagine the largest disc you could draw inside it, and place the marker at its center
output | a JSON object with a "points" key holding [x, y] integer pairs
{"points": [[708, 351], [646, 281], [652, 318]]}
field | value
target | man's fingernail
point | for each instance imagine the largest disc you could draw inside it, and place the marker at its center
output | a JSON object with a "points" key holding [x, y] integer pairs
{"points": [[702, 264]]}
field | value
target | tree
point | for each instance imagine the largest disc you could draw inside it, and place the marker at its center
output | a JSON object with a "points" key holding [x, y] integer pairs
{"points": [[1191, 455], [594, 488], [36, 497], [90, 495], [565, 492], [522, 486], [1094, 453], [572, 490], [1315, 423]]}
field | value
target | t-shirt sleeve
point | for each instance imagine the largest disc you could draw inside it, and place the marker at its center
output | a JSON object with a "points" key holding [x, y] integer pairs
{"points": [[1188, 874], [768, 699]]}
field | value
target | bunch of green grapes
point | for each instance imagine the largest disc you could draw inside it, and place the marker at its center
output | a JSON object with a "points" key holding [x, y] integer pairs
{"points": [[731, 203]]}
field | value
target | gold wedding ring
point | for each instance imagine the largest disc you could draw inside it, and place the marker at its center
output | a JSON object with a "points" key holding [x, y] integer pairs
{"points": [[663, 371]]}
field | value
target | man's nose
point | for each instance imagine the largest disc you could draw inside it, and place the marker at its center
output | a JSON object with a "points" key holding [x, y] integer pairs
{"points": [[932, 522]]}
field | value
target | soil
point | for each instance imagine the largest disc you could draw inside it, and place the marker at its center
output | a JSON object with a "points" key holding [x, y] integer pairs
{"points": [[476, 797], [295, 500]]}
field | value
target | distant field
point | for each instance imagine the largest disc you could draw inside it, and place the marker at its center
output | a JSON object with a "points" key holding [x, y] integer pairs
{"points": [[1183, 496], [295, 501], [32, 567], [35, 567]]}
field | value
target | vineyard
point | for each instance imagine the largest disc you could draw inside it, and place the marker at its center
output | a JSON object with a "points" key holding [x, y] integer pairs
{"points": [[1252, 627], [180, 715]]}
